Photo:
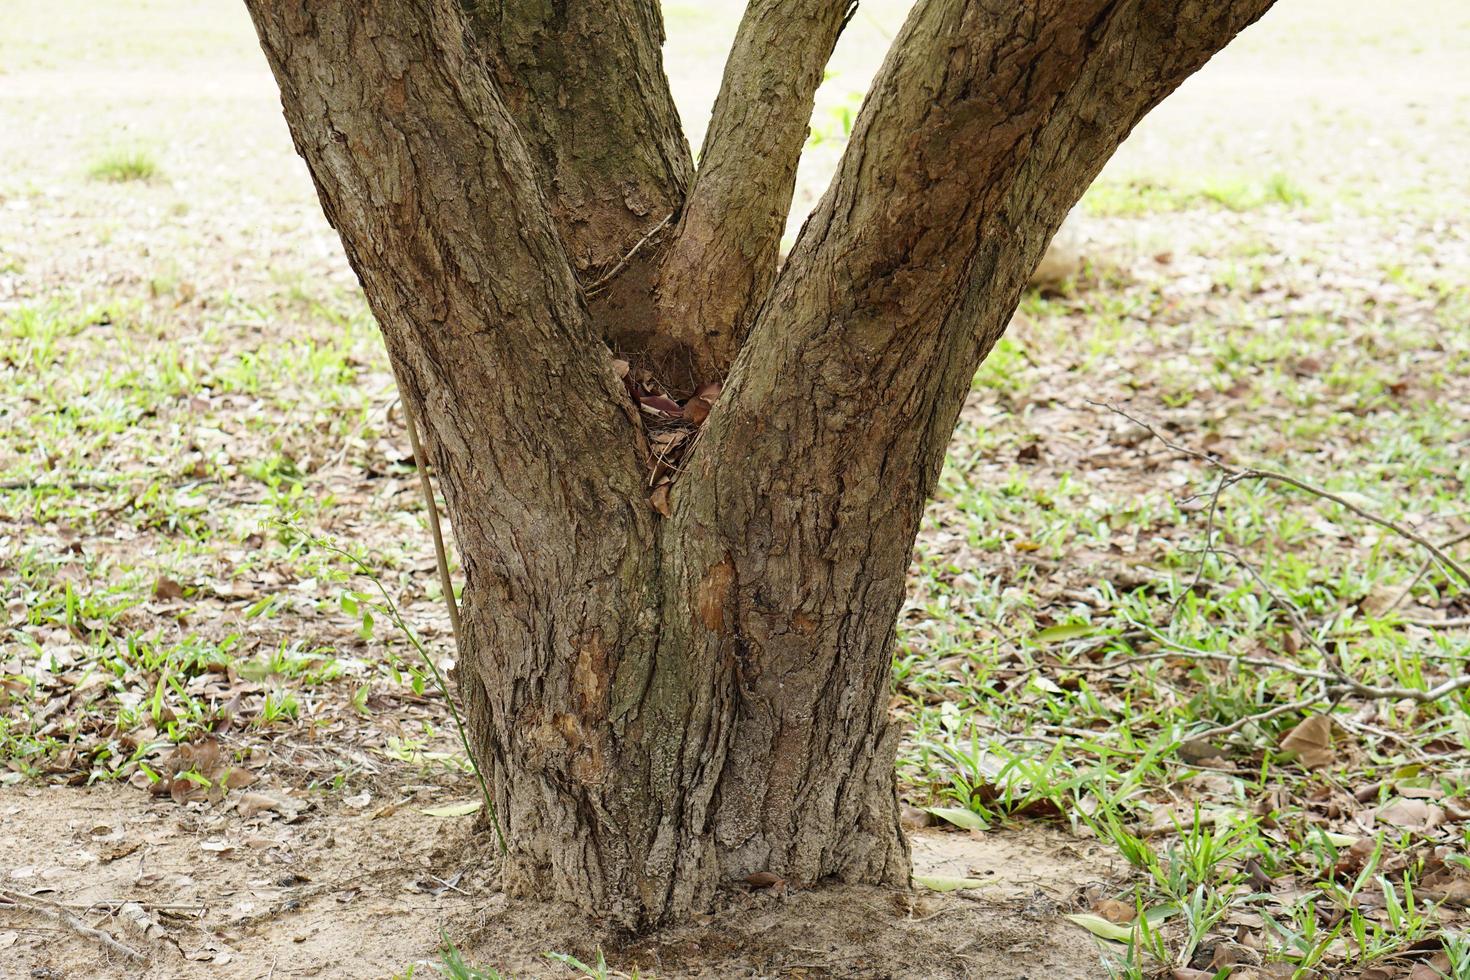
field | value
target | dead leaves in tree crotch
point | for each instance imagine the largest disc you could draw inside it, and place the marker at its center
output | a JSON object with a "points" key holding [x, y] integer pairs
{"points": [[671, 426]]}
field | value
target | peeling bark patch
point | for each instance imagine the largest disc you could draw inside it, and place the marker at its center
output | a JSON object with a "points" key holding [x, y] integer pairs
{"points": [[591, 677], [714, 594]]}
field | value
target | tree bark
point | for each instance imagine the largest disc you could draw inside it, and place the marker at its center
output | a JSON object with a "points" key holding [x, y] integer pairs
{"points": [[724, 256], [664, 704], [586, 85]]}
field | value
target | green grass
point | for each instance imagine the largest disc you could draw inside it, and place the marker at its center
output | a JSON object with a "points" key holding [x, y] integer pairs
{"points": [[123, 165], [1017, 710], [1144, 196]]}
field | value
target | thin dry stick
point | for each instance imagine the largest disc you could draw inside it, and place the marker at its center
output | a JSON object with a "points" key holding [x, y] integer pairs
{"points": [[601, 284], [1423, 571], [1252, 473], [1363, 728], [1344, 683], [1439, 624], [59, 913], [1176, 649], [1239, 723], [1329, 657], [1199, 571], [440, 558]]}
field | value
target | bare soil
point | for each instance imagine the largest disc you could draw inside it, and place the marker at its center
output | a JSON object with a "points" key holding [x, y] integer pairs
{"points": [[338, 890]]}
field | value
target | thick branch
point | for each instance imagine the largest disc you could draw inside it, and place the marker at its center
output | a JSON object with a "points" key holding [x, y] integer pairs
{"points": [[586, 86], [422, 171], [983, 128], [724, 258]]}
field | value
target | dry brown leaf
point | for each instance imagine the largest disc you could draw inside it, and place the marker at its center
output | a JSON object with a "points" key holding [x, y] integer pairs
{"points": [[1446, 886], [763, 879], [1115, 911], [668, 440], [1437, 968], [1352, 860], [659, 499], [182, 790], [167, 590], [1311, 742], [660, 404], [236, 778], [696, 410], [1410, 814], [252, 803], [1196, 750]]}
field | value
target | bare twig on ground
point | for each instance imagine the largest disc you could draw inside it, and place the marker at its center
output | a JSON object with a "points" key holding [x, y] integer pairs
{"points": [[1239, 723], [1199, 569], [1438, 624], [60, 913], [1238, 474], [1363, 728], [1424, 570], [1176, 649], [1336, 681]]}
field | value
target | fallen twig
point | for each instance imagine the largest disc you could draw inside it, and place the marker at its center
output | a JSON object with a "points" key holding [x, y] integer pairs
{"points": [[1437, 624], [60, 913], [1239, 723], [1424, 570], [1247, 659], [1238, 474], [1336, 681]]}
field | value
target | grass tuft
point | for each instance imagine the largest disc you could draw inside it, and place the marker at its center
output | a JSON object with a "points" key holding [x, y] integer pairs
{"points": [[123, 164]]}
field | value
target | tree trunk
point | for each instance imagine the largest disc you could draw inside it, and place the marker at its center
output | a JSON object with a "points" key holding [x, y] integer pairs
{"points": [[671, 695]]}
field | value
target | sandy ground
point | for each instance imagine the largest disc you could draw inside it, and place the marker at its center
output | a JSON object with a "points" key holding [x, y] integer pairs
{"points": [[364, 891]]}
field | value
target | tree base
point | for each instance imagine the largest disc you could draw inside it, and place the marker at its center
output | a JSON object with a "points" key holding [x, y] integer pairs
{"points": [[1012, 927], [833, 930]]}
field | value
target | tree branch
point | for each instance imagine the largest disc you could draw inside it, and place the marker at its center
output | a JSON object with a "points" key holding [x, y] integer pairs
{"points": [[586, 86], [978, 135], [723, 260], [422, 171], [798, 509]]}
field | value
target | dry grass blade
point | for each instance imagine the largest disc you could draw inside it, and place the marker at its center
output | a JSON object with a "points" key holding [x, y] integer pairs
{"points": [[441, 558]]}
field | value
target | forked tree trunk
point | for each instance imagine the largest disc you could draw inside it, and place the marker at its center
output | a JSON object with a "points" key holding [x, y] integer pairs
{"points": [[667, 699]]}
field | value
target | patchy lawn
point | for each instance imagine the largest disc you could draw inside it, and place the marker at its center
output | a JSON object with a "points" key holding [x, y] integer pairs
{"points": [[1182, 706]]}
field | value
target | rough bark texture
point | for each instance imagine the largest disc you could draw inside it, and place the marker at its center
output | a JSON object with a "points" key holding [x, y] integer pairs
{"points": [[721, 264], [664, 704], [585, 83]]}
